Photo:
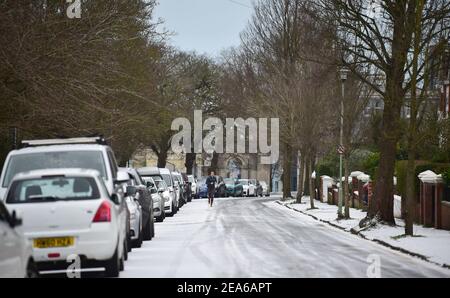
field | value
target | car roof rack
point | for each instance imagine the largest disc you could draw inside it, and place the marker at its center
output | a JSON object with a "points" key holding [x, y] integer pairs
{"points": [[68, 141]]}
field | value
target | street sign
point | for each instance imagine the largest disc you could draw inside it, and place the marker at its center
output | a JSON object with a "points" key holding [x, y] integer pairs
{"points": [[341, 150]]}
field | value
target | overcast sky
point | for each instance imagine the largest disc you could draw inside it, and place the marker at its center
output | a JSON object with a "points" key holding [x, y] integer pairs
{"points": [[204, 26]]}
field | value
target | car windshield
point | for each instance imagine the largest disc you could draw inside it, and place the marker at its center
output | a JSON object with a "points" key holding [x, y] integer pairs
{"points": [[54, 160], [168, 179], [244, 182], [57, 188], [202, 180], [160, 184], [191, 179]]}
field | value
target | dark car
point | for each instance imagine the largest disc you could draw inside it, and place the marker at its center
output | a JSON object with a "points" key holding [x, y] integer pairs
{"points": [[187, 187], [221, 188], [234, 187], [144, 196]]}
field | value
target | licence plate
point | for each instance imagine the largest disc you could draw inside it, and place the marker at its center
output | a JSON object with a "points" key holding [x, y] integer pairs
{"points": [[53, 242]]}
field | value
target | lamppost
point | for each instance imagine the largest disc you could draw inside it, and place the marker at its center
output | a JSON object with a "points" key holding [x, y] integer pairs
{"points": [[343, 73]]}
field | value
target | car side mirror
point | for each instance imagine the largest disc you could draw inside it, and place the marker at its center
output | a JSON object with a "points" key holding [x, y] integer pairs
{"points": [[115, 198], [149, 184], [153, 190], [15, 221], [131, 190]]}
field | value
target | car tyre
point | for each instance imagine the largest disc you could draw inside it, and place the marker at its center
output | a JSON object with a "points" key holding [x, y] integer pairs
{"points": [[112, 266], [153, 227], [32, 270], [148, 230], [125, 250]]}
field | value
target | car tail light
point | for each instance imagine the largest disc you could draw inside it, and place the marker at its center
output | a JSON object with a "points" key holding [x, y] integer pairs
{"points": [[103, 213], [53, 255]]}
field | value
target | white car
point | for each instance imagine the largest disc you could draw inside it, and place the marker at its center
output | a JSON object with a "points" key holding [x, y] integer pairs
{"points": [[158, 200], [247, 187], [16, 260], [67, 213], [265, 188], [194, 188], [135, 210], [164, 192], [171, 202]]}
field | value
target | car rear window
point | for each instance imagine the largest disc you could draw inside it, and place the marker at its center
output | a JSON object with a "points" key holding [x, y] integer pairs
{"points": [[54, 160], [56, 188]]}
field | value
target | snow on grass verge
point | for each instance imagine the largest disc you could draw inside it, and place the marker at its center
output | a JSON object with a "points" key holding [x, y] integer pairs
{"points": [[428, 243]]}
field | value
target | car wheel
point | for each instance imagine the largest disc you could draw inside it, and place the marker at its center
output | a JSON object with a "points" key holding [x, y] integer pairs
{"points": [[122, 263], [138, 242], [32, 271], [153, 226], [147, 230], [129, 246], [112, 266], [125, 249]]}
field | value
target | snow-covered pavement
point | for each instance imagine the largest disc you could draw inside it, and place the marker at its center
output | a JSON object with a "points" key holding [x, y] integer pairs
{"points": [[241, 238]]}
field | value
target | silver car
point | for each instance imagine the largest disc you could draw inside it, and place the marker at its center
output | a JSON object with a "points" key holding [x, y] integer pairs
{"points": [[158, 200]]}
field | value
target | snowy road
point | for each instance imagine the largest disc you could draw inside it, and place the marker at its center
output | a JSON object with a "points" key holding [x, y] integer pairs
{"points": [[241, 238]]}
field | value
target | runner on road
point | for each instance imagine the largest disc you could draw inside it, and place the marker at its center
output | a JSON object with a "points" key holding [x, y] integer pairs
{"points": [[211, 184]]}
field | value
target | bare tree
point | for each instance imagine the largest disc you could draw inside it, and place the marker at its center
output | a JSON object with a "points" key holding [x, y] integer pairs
{"points": [[378, 36]]}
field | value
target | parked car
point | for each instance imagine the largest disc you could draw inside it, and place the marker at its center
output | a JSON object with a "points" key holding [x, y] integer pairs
{"points": [[202, 187], [166, 174], [16, 260], [221, 188], [187, 187], [248, 187], [84, 153], [179, 187], [164, 192], [258, 187], [194, 186], [158, 200], [70, 212], [134, 212], [170, 203], [135, 219], [144, 196], [234, 188], [265, 188]]}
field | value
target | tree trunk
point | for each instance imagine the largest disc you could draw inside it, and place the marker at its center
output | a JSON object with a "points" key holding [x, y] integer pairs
{"points": [[306, 187], [410, 204], [162, 158], [382, 202], [300, 179], [189, 162], [287, 167], [346, 191], [214, 162], [311, 186], [383, 197]]}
